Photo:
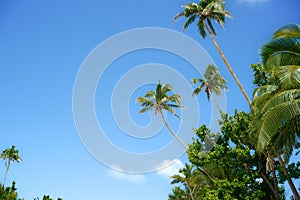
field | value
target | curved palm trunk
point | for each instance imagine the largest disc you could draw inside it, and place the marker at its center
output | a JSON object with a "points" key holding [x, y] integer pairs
{"points": [[228, 65], [6, 171], [182, 143], [172, 132], [290, 182]]}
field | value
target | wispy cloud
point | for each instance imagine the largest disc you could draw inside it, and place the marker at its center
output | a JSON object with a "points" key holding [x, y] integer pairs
{"points": [[121, 176], [252, 2], [171, 169]]}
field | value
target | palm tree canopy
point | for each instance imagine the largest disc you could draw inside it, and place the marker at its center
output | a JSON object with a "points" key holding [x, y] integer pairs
{"points": [[276, 107], [160, 100], [206, 11], [213, 82], [283, 49], [11, 155]]}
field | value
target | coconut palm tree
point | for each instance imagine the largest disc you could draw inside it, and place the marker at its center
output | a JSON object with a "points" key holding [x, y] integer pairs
{"points": [[207, 11], [186, 177], [10, 155], [213, 82], [192, 178], [276, 106], [160, 100]]}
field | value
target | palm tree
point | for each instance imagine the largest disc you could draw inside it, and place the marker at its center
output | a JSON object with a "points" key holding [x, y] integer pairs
{"points": [[192, 178], [160, 100], [186, 177], [10, 155], [276, 106], [213, 82], [208, 11]]}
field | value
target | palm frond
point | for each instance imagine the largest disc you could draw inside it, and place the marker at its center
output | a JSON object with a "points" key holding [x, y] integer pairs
{"points": [[198, 89], [265, 126], [288, 76], [176, 17], [262, 90], [290, 30], [196, 80], [279, 98], [201, 28], [189, 21], [211, 27], [280, 52]]}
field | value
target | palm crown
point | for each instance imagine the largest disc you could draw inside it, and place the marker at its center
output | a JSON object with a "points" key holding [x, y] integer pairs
{"points": [[10, 155], [206, 11], [213, 82], [160, 100]]}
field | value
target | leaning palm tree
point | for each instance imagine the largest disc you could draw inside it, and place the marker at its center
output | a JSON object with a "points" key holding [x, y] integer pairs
{"points": [[213, 82], [160, 100], [10, 155], [207, 11]]}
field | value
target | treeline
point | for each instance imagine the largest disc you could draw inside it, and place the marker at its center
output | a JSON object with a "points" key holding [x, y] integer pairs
{"points": [[10, 156]]}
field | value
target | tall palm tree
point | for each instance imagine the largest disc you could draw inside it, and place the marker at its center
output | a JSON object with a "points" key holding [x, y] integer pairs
{"points": [[160, 100], [10, 155], [276, 106], [207, 11], [213, 83]]}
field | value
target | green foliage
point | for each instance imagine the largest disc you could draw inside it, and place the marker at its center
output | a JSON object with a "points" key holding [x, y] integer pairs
{"points": [[46, 197], [293, 170], [160, 100], [206, 11], [276, 105], [9, 193], [261, 78], [229, 158]]}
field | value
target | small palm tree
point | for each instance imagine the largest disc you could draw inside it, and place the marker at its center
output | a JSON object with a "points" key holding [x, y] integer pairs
{"points": [[213, 82], [186, 177], [160, 100], [10, 155], [207, 11]]}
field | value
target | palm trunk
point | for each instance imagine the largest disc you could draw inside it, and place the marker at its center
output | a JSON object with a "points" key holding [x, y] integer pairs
{"points": [[182, 143], [215, 102], [275, 182], [290, 182], [172, 132], [6, 171], [228, 65], [191, 192], [274, 192], [207, 174]]}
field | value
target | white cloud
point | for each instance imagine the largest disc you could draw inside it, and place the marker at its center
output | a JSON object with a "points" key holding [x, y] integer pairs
{"points": [[252, 2], [171, 169], [122, 176]]}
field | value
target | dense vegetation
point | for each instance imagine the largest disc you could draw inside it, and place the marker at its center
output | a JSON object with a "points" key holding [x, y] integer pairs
{"points": [[251, 158]]}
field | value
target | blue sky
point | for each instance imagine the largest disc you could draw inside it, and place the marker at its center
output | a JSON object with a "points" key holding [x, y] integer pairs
{"points": [[43, 45]]}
